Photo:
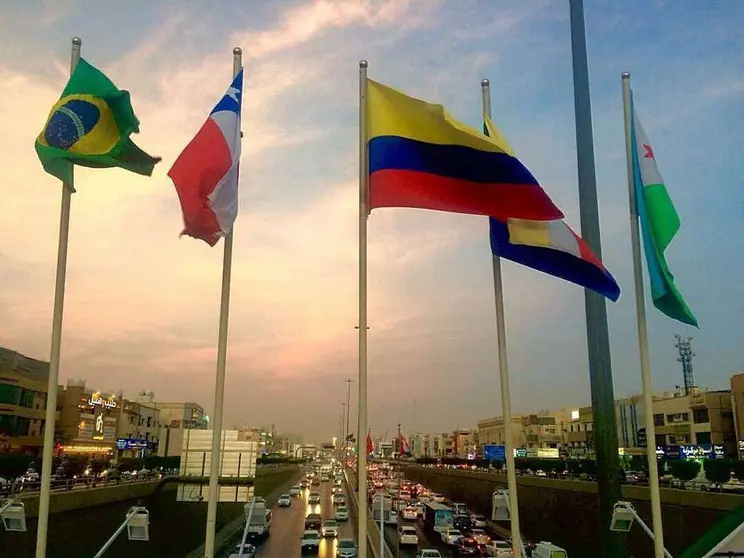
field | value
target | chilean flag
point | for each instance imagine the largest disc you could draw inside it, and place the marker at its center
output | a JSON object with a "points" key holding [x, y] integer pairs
{"points": [[206, 172]]}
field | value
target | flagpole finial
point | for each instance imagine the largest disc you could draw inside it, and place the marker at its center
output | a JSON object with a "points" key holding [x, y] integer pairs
{"points": [[485, 82], [626, 75], [77, 41], [363, 64], [237, 50]]}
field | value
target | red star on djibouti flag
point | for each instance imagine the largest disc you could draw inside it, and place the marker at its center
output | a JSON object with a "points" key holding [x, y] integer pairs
{"points": [[649, 152]]}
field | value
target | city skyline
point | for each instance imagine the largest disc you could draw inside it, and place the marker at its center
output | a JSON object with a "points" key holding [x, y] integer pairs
{"points": [[142, 304]]}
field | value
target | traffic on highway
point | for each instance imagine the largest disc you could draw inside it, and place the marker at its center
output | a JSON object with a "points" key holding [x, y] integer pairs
{"points": [[311, 518]]}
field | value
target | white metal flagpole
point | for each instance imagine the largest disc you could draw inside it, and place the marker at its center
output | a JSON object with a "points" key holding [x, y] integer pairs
{"points": [[362, 405], [59, 303], [219, 388], [498, 291], [653, 468]]}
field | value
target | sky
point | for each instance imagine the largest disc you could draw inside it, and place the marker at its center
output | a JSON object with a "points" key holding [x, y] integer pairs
{"points": [[142, 304]]}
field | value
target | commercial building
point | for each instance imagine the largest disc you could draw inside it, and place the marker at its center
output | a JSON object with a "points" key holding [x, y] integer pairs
{"points": [[175, 418], [491, 431], [737, 406], [23, 393], [138, 430], [88, 421]]}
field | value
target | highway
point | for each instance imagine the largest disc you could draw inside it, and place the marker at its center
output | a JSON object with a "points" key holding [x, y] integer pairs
{"points": [[287, 525]]}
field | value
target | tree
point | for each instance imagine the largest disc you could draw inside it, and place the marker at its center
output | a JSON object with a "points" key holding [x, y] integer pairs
{"points": [[684, 470], [717, 471]]}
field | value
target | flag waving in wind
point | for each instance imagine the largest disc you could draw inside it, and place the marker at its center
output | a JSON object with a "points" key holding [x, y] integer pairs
{"points": [[659, 223], [370, 444], [405, 447], [206, 172], [550, 246]]}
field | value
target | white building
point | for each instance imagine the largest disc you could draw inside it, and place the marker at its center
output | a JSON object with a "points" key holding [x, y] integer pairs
{"points": [[174, 419], [138, 428]]}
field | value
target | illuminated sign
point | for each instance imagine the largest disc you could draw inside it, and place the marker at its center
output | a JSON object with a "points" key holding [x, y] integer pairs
{"points": [[575, 415], [134, 444], [97, 400]]}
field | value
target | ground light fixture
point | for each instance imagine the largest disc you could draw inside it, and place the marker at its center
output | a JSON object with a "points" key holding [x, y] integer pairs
{"points": [[623, 515], [137, 524], [13, 514]]}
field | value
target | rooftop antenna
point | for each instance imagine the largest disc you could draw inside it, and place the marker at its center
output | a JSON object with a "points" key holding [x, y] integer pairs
{"points": [[684, 348]]}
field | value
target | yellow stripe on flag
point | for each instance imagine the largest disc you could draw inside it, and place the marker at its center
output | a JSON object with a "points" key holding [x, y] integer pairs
{"points": [[529, 233], [392, 113]]}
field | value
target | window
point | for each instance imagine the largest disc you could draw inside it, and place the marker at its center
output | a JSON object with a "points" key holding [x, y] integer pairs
{"points": [[9, 394], [674, 418], [659, 419], [700, 416], [703, 437]]}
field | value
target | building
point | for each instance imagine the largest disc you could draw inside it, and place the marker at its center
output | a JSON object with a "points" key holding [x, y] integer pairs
{"points": [[463, 444], [88, 421], [23, 394], [264, 437], [737, 405], [492, 432], [698, 418], [174, 419], [578, 435], [631, 421], [138, 430]]}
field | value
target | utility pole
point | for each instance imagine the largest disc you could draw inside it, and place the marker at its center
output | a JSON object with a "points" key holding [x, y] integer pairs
{"points": [[348, 413]]}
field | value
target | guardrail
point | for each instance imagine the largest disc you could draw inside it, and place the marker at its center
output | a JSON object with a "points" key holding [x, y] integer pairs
{"points": [[373, 530], [81, 483]]}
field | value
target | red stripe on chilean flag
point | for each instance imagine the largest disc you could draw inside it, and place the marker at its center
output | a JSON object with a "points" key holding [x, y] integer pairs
{"points": [[202, 173]]}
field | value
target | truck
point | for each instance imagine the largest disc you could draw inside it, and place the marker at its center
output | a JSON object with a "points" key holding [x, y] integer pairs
{"points": [[438, 517], [260, 518], [384, 509], [548, 550]]}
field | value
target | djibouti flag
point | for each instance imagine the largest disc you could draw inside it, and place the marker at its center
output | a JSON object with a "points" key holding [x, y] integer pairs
{"points": [[90, 126], [659, 223]]}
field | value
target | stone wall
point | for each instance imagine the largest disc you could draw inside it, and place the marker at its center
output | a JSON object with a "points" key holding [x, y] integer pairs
{"points": [[566, 513]]}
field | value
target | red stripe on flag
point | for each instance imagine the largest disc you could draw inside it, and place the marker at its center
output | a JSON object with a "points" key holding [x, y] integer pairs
{"points": [[196, 173], [403, 188]]}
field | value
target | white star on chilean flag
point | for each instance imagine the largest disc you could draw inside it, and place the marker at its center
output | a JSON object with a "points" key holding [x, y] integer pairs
{"points": [[206, 172]]}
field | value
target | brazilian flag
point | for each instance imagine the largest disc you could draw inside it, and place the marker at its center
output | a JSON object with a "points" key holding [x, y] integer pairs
{"points": [[90, 126]]}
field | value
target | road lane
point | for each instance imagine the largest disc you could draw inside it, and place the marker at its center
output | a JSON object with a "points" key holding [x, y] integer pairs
{"points": [[288, 524]]}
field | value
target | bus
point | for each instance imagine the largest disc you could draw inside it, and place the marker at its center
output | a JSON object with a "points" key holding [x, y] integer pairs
{"points": [[438, 517]]}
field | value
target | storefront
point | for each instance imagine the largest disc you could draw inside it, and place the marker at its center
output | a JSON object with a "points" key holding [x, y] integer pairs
{"points": [[88, 421], [134, 447]]}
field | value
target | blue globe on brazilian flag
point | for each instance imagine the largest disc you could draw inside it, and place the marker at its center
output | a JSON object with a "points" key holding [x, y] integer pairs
{"points": [[90, 126]]}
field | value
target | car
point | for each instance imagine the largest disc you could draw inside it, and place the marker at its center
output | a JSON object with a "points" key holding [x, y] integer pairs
{"points": [[304, 484], [346, 548], [478, 520], [330, 528], [428, 553], [313, 522], [315, 482], [338, 500], [314, 498], [342, 513], [468, 547], [296, 490], [499, 548], [480, 536], [410, 513], [337, 490], [450, 536], [284, 501], [310, 541], [407, 535]]}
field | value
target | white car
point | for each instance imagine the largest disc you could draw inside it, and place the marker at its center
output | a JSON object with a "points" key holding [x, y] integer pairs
{"points": [[407, 535], [284, 501], [478, 520], [310, 540], [410, 513], [428, 553], [330, 528], [346, 548], [499, 548], [342, 513], [451, 536], [249, 551], [295, 490]]}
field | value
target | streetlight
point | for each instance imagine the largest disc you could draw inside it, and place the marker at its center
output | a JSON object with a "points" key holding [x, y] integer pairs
{"points": [[13, 514], [623, 514], [137, 524]]}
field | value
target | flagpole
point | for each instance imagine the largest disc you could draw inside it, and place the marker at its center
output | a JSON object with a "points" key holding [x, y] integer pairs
{"points": [[362, 404], [56, 345], [653, 467], [498, 293], [219, 389], [597, 330]]}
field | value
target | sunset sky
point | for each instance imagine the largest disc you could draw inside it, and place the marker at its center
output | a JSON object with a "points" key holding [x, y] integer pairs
{"points": [[142, 304]]}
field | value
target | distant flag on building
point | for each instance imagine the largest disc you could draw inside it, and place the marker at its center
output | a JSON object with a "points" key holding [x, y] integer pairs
{"points": [[405, 447], [550, 246], [370, 444], [659, 224], [421, 157], [90, 126], [206, 173]]}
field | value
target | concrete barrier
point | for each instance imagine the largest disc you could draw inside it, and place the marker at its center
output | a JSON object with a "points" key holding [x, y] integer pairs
{"points": [[373, 529]]}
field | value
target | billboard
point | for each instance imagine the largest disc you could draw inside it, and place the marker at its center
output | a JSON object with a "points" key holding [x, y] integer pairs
{"points": [[493, 452], [237, 459]]}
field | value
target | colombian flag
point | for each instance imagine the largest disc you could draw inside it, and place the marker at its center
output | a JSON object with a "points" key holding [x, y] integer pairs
{"points": [[90, 126], [419, 156]]}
